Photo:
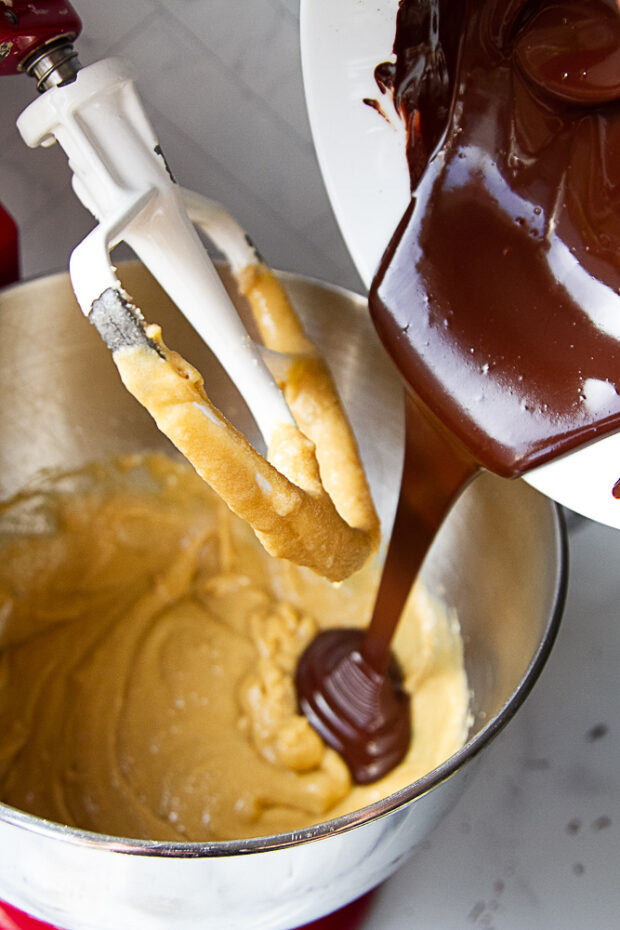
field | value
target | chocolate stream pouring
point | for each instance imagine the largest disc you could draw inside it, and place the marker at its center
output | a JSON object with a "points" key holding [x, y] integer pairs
{"points": [[498, 297]]}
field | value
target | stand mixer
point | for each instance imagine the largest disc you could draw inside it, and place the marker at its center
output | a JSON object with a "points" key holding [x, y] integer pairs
{"points": [[121, 176], [132, 883]]}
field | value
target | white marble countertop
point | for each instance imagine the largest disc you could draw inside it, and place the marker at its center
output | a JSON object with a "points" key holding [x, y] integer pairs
{"points": [[535, 841]]}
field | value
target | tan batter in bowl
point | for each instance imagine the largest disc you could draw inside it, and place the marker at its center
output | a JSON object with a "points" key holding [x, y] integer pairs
{"points": [[148, 652]]}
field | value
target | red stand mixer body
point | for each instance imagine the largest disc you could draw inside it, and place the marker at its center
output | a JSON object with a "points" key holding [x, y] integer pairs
{"points": [[9, 249]]}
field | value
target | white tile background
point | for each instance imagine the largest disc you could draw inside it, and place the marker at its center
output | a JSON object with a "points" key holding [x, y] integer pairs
{"points": [[535, 843]]}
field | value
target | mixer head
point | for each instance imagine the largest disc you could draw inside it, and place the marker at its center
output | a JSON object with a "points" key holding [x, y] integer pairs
{"points": [[38, 40]]}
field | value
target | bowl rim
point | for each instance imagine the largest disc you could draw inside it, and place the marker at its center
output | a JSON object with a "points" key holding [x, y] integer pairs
{"points": [[378, 809]]}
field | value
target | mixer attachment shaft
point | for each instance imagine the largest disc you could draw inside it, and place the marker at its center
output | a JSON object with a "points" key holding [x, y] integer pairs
{"points": [[309, 501]]}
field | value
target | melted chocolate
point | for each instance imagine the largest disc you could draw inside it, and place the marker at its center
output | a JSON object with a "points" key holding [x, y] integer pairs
{"points": [[498, 297], [348, 683], [371, 728]]}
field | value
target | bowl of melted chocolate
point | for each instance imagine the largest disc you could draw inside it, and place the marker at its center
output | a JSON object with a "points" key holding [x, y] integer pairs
{"points": [[486, 150], [153, 757]]}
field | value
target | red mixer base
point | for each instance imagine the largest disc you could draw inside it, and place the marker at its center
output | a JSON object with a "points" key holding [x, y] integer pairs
{"points": [[348, 918]]}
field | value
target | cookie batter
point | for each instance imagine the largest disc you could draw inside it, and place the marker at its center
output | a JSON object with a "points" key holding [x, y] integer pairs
{"points": [[147, 652]]}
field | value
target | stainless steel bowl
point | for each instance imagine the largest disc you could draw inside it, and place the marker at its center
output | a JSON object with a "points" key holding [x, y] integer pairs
{"points": [[500, 559]]}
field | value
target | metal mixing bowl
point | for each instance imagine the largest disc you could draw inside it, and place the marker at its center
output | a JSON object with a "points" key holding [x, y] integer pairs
{"points": [[499, 559]]}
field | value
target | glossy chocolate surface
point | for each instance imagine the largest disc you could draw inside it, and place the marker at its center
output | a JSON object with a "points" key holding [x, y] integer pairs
{"points": [[498, 297]]}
